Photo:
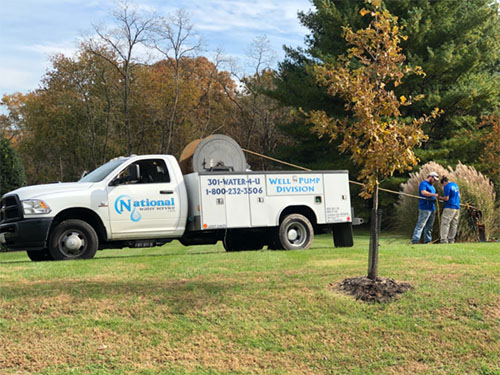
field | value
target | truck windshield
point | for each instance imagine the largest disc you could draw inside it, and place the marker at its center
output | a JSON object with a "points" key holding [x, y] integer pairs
{"points": [[100, 173]]}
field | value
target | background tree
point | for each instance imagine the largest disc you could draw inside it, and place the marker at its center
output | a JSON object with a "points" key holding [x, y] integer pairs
{"points": [[378, 139], [132, 31], [258, 118], [66, 125], [175, 40], [457, 44], [11, 168], [201, 100], [488, 138]]}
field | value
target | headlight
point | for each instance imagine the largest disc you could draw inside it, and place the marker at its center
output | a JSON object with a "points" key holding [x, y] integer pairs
{"points": [[35, 207]]}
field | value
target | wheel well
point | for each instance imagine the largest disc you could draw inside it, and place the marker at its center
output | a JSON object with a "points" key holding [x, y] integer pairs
{"points": [[303, 210], [83, 214]]}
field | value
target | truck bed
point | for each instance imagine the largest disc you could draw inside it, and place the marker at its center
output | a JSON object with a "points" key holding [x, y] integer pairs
{"points": [[220, 200]]}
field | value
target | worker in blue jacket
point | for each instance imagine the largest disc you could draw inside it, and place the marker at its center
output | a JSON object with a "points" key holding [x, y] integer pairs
{"points": [[451, 211], [426, 209]]}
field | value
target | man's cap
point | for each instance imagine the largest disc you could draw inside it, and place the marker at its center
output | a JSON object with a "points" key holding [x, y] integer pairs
{"points": [[433, 174]]}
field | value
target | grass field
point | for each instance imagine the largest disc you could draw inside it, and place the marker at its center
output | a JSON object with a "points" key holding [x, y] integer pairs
{"points": [[199, 310]]}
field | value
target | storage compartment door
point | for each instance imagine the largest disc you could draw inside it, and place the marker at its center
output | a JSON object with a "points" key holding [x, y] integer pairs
{"points": [[213, 202], [263, 208], [237, 201], [337, 198]]}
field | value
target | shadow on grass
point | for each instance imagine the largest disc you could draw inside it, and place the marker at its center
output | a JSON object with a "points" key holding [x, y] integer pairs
{"points": [[181, 296], [104, 257]]}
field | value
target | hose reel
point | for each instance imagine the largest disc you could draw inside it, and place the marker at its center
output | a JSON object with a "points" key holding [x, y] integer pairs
{"points": [[214, 153]]}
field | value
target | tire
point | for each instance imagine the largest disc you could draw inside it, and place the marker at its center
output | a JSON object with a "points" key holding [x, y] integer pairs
{"points": [[342, 235], [296, 232], [39, 255], [241, 241], [73, 239]]}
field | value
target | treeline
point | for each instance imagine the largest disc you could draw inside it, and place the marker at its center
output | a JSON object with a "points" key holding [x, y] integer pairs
{"points": [[107, 100]]}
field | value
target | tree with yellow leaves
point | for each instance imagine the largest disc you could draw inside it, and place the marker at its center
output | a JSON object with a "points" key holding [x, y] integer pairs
{"points": [[379, 140]]}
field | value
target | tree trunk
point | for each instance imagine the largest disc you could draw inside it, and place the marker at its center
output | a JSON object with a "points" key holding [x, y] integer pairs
{"points": [[374, 233]]}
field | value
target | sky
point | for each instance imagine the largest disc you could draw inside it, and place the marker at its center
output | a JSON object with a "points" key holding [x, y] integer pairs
{"points": [[31, 31]]}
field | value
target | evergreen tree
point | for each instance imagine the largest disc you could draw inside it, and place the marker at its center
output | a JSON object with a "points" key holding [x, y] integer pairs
{"points": [[11, 168], [456, 42]]}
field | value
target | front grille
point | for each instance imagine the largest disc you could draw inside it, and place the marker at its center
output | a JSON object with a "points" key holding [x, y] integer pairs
{"points": [[10, 209]]}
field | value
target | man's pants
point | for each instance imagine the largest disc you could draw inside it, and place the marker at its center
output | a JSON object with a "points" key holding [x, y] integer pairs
{"points": [[424, 223], [449, 225]]}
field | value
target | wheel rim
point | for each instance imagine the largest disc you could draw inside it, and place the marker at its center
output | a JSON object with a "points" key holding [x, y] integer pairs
{"points": [[72, 244], [297, 234]]}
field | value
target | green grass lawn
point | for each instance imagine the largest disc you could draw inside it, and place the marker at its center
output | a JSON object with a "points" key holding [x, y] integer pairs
{"points": [[200, 310]]}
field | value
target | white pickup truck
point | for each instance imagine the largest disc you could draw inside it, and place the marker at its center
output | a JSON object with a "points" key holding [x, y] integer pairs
{"points": [[142, 201]]}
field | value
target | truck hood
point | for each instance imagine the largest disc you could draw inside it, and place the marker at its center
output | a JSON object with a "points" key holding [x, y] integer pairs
{"points": [[39, 191]]}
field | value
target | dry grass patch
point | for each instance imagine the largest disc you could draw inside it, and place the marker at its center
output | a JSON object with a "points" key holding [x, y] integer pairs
{"points": [[493, 311], [413, 367]]}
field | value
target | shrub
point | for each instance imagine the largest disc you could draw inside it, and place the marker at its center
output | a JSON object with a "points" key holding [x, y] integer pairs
{"points": [[475, 189], [11, 168]]}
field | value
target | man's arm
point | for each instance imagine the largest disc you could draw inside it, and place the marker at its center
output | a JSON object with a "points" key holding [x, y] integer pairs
{"points": [[446, 194], [426, 193]]}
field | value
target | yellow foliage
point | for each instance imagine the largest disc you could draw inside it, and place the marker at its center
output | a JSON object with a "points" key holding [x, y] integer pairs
{"points": [[379, 141]]}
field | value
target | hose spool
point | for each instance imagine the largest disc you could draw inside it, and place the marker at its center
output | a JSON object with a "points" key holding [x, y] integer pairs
{"points": [[214, 153]]}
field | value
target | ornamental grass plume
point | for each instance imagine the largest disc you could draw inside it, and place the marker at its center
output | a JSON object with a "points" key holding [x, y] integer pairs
{"points": [[475, 189]]}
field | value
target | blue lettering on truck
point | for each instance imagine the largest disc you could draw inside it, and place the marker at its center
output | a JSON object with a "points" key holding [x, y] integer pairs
{"points": [[294, 185], [294, 189], [125, 203]]}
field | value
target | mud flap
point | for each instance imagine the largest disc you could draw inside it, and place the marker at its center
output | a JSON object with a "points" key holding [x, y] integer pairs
{"points": [[342, 235]]}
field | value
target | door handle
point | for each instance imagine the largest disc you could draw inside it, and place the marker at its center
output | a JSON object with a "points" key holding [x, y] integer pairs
{"points": [[166, 192]]}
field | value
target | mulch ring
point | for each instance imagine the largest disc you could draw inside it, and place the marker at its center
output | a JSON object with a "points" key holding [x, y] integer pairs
{"points": [[379, 290]]}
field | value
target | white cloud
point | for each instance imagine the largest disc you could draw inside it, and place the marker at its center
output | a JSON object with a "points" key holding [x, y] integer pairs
{"points": [[224, 15], [15, 79], [264, 16], [51, 49]]}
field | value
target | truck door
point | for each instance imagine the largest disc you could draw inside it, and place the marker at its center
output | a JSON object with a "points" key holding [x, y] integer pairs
{"points": [[146, 207]]}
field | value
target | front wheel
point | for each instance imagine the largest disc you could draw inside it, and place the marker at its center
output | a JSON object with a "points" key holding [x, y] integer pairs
{"points": [[296, 232], [73, 239]]}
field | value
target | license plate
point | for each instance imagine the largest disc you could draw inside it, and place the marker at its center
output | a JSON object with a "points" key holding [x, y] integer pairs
{"points": [[2, 238]]}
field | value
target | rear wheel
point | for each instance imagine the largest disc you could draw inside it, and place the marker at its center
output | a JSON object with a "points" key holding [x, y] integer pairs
{"points": [[39, 255], [73, 239], [296, 232]]}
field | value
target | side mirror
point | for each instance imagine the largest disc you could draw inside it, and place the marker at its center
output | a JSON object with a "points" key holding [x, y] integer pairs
{"points": [[134, 173]]}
